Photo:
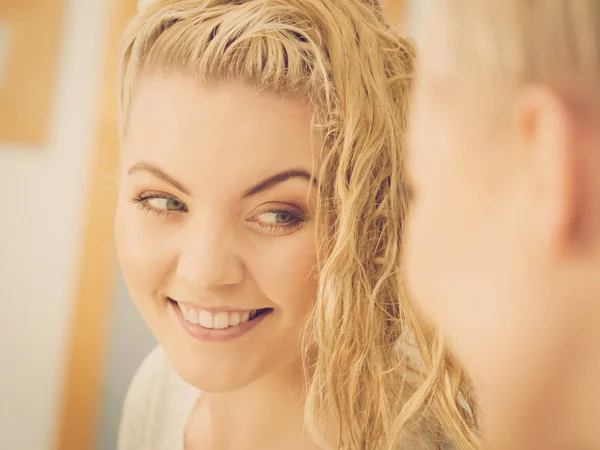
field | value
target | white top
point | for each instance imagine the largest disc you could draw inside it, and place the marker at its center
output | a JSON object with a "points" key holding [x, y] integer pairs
{"points": [[159, 402], [157, 407]]}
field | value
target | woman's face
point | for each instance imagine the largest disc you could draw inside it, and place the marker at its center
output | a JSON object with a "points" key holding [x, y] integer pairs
{"points": [[467, 247], [474, 256], [214, 230]]}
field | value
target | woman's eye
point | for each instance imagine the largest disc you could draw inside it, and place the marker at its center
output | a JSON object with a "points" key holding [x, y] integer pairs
{"points": [[278, 221], [167, 204], [277, 217], [162, 205]]}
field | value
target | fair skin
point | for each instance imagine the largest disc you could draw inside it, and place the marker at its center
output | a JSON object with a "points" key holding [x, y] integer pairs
{"points": [[506, 220], [220, 222]]}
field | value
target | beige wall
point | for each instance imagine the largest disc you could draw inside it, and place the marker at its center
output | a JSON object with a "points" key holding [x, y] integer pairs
{"points": [[42, 193]]}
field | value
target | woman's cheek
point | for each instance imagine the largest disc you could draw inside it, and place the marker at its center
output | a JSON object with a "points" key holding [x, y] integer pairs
{"points": [[143, 251], [286, 271]]}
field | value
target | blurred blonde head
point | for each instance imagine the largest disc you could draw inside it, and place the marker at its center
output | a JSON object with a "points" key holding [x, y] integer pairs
{"points": [[515, 42], [503, 161], [356, 73]]}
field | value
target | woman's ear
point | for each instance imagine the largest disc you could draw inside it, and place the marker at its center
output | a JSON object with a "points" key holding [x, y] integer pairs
{"points": [[547, 131]]}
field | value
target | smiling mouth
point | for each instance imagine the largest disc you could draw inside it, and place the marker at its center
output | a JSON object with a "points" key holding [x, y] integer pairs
{"points": [[218, 320]]}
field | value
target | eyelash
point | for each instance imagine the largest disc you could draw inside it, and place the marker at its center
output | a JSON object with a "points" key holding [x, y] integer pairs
{"points": [[142, 202], [297, 219], [296, 222]]}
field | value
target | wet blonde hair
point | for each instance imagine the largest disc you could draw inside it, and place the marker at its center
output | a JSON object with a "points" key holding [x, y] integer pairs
{"points": [[356, 74], [500, 46]]}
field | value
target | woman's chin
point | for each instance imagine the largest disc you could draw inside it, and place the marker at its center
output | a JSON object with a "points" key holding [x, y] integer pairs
{"points": [[215, 378], [209, 384]]}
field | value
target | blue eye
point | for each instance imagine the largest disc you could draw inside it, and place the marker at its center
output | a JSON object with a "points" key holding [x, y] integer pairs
{"points": [[168, 204], [277, 217], [279, 221], [160, 204]]}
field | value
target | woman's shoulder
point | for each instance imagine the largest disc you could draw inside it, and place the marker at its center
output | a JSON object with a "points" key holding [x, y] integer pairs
{"points": [[142, 400], [152, 371], [156, 405]]}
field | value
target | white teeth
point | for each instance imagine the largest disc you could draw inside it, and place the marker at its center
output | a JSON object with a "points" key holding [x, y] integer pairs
{"points": [[205, 319], [245, 317], [234, 319], [221, 320], [192, 316]]}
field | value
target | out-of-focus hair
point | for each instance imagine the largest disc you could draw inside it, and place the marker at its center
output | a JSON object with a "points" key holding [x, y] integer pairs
{"points": [[501, 46]]}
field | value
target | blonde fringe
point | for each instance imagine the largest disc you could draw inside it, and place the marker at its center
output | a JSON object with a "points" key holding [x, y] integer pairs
{"points": [[356, 73]]}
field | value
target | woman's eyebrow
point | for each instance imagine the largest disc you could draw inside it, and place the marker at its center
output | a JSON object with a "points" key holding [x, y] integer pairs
{"points": [[158, 173], [278, 178]]}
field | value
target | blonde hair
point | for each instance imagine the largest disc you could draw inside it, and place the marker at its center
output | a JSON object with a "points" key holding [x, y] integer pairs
{"points": [[356, 73], [511, 43]]}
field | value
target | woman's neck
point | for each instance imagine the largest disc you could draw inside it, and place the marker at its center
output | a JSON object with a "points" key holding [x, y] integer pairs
{"points": [[267, 414]]}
